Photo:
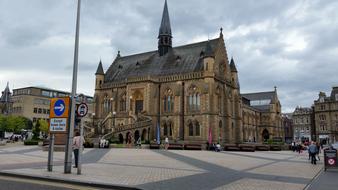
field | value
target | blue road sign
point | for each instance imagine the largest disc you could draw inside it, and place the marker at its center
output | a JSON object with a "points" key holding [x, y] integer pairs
{"points": [[59, 107]]}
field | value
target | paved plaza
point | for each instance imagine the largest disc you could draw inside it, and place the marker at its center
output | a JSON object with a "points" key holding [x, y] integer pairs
{"points": [[172, 169]]}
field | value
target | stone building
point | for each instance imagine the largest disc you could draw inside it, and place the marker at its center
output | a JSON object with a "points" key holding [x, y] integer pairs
{"points": [[34, 103], [302, 124], [190, 92], [262, 116], [6, 101], [287, 124], [326, 117]]}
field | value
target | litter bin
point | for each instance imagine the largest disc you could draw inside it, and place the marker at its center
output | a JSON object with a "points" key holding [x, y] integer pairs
{"points": [[330, 159]]}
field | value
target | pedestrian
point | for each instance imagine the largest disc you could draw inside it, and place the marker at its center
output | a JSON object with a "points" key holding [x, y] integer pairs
{"points": [[218, 147], [77, 144], [318, 151], [138, 143], [166, 143], [313, 151]]}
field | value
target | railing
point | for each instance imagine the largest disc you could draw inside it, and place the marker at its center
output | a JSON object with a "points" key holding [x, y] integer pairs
{"points": [[136, 125]]}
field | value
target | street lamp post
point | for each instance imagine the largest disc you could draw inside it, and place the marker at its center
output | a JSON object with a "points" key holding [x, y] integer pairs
{"points": [[68, 152], [114, 114]]}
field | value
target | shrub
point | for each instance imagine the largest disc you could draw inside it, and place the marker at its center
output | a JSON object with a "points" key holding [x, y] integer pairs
{"points": [[31, 142]]}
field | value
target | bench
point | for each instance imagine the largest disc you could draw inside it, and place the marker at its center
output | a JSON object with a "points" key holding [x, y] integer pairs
{"points": [[154, 146], [176, 146], [193, 147], [275, 148], [247, 147], [231, 147], [262, 147]]}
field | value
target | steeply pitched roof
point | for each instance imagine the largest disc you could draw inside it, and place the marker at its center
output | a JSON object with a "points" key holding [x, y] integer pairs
{"points": [[99, 70], [232, 65], [182, 59], [165, 28], [6, 94]]}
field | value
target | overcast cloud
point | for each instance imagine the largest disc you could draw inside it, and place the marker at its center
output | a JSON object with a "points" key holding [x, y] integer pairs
{"points": [[291, 44]]}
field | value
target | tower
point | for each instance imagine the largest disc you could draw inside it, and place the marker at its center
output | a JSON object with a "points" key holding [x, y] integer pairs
{"points": [[164, 34]]}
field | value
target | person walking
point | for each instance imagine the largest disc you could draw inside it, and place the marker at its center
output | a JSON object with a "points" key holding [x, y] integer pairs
{"points": [[138, 143], [166, 143], [313, 151], [318, 150], [77, 144]]}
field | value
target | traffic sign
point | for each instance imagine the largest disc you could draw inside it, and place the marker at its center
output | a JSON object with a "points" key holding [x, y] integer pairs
{"points": [[58, 125], [59, 107], [82, 110]]}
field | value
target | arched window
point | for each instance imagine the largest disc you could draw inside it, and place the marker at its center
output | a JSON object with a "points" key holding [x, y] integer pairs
{"points": [[194, 99], [123, 102], [191, 129], [168, 101], [197, 128]]}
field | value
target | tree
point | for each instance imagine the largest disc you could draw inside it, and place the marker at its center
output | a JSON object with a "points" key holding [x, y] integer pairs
{"points": [[36, 130], [14, 123], [44, 127]]}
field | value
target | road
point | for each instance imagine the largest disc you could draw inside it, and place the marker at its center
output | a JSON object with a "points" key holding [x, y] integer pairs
{"points": [[14, 183]]}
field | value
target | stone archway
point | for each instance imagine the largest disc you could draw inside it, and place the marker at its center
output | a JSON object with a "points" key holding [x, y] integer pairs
{"points": [[265, 135], [128, 137], [120, 138], [136, 135]]}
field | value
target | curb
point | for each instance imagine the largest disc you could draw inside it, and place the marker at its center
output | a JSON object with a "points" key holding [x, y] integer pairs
{"points": [[73, 182], [315, 178]]}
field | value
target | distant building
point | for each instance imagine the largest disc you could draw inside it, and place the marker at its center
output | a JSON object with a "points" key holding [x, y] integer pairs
{"points": [[288, 127], [6, 101], [326, 117], [302, 124], [34, 103]]}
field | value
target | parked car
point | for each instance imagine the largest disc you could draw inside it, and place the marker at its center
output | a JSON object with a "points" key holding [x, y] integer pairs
{"points": [[335, 145]]}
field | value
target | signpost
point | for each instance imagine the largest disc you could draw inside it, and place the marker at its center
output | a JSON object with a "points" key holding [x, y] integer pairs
{"points": [[81, 111], [59, 110]]}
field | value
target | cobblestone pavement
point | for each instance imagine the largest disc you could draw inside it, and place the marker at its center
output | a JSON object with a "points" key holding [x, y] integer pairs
{"points": [[173, 169]]}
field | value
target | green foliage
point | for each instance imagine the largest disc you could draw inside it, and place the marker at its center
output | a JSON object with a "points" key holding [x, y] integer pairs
{"points": [[31, 142], [36, 130], [14, 123], [43, 126], [114, 140]]}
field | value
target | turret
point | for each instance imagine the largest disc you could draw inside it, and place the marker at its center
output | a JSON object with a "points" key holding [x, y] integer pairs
{"points": [[99, 76], [234, 76]]}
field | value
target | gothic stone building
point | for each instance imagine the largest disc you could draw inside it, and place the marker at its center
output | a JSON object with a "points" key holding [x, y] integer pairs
{"points": [[190, 92]]}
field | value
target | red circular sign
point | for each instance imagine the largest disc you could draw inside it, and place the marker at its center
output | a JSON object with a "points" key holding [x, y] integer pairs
{"points": [[331, 161]]}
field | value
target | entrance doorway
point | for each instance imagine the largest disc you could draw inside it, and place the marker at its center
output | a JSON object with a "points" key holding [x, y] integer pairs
{"points": [[265, 135]]}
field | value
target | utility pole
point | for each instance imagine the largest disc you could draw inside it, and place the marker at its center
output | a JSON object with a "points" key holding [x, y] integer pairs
{"points": [[68, 153]]}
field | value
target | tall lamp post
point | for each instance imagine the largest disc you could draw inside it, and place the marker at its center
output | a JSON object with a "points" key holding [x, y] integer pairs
{"points": [[68, 152], [114, 115]]}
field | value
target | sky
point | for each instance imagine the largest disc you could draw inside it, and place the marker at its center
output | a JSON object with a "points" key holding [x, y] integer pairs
{"points": [[290, 44]]}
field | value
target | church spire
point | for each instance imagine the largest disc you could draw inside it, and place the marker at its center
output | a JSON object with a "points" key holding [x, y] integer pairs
{"points": [[164, 34], [99, 70]]}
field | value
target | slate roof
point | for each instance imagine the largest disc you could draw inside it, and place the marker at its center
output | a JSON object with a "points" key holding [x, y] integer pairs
{"points": [[333, 93], [260, 96], [6, 94], [182, 59], [165, 28], [99, 70]]}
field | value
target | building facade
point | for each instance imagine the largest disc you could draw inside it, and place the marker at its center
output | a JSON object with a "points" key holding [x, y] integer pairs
{"points": [[34, 103], [326, 117], [288, 127], [188, 93], [262, 114], [302, 123]]}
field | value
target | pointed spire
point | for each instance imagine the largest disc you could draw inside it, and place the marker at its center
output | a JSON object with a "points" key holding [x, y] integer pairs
{"points": [[99, 70], [165, 28], [118, 54], [208, 50], [221, 32], [232, 65], [164, 34], [5, 97]]}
